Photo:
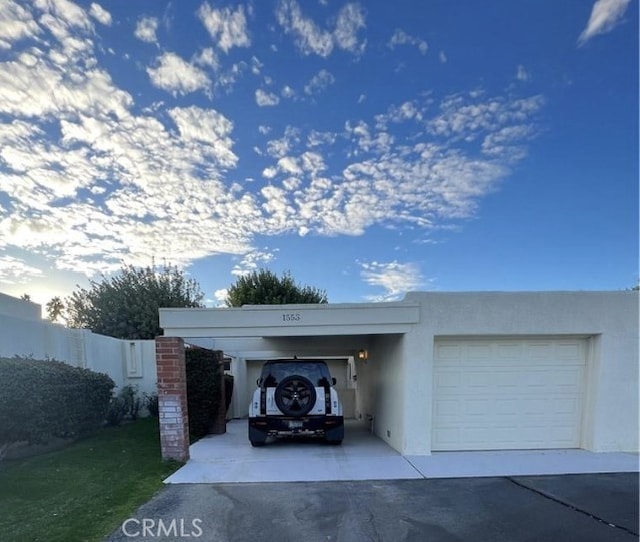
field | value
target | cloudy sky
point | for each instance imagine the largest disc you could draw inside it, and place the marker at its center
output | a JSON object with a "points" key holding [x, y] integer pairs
{"points": [[371, 148]]}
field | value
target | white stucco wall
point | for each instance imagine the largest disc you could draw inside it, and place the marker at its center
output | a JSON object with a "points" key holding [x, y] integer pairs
{"points": [[386, 358], [611, 318], [18, 308], [396, 384], [24, 334]]}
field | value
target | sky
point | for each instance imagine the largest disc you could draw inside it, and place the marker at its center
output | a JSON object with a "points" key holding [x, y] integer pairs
{"points": [[368, 148]]}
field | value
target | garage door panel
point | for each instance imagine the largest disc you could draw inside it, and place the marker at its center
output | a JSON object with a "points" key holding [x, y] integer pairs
{"points": [[448, 379], [508, 394]]}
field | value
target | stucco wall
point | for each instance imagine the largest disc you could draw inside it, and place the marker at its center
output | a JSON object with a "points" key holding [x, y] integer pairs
{"points": [[389, 364], [609, 318], [41, 339], [396, 385], [18, 308]]}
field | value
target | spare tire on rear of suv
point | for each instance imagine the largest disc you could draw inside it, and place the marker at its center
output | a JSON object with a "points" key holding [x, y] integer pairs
{"points": [[295, 395]]}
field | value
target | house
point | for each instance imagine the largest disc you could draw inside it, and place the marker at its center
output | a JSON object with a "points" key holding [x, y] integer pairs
{"points": [[440, 371]]}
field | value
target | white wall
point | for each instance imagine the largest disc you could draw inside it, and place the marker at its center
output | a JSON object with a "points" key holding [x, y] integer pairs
{"points": [[26, 310], [610, 319], [126, 362], [396, 385], [388, 364]]}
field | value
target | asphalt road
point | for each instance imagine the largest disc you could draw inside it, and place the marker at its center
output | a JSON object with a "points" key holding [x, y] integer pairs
{"points": [[592, 507]]}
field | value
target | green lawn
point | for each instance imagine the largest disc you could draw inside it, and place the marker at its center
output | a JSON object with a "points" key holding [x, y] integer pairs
{"points": [[85, 491]]}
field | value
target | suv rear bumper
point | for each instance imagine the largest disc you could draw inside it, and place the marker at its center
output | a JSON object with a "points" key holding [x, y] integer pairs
{"points": [[286, 425]]}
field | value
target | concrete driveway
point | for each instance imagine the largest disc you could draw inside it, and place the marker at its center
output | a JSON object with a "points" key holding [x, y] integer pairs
{"points": [[594, 507], [230, 458]]}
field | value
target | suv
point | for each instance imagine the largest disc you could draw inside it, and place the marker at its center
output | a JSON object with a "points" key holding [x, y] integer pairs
{"points": [[295, 397]]}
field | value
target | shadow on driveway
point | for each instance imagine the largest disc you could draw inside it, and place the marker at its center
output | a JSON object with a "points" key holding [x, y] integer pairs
{"points": [[548, 508]]}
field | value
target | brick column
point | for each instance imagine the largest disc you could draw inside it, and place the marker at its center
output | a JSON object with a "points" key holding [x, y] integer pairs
{"points": [[172, 398]]}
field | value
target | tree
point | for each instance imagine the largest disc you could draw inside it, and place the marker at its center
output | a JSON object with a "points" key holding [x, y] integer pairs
{"points": [[25, 297], [263, 287], [126, 305], [55, 308]]}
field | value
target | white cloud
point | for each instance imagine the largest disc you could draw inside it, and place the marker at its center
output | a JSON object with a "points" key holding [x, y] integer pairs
{"points": [[265, 99], [220, 296], [197, 125], [287, 92], [442, 57], [146, 29], [16, 271], [137, 188], [207, 57], [226, 26], [269, 172], [395, 278], [312, 39], [90, 180], [421, 183], [252, 261], [400, 37], [100, 14], [319, 82], [16, 23], [316, 138], [280, 147], [177, 76], [522, 74], [350, 20], [605, 16], [289, 164]]}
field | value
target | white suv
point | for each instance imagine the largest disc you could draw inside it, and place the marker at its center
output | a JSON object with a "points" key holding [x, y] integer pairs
{"points": [[295, 397]]}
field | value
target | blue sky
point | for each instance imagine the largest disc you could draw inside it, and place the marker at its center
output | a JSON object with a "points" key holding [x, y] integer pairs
{"points": [[370, 148]]}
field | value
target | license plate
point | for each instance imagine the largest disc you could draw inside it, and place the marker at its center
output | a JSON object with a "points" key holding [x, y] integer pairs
{"points": [[294, 425]]}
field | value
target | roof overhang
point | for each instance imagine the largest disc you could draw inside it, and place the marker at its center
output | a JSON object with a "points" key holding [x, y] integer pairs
{"points": [[291, 320]]}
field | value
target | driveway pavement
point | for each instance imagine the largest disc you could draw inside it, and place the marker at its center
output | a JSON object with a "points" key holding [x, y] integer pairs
{"points": [[230, 458], [591, 507]]}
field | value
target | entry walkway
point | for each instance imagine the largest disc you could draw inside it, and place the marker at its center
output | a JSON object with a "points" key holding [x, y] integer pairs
{"points": [[229, 458]]}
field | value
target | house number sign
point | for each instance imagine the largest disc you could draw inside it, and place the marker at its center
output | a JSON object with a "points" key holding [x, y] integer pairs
{"points": [[291, 317]]}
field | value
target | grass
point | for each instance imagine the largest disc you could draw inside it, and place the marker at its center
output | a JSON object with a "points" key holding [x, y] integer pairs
{"points": [[84, 491]]}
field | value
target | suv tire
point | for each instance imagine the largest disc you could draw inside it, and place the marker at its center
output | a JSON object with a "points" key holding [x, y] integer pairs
{"points": [[295, 396], [257, 438]]}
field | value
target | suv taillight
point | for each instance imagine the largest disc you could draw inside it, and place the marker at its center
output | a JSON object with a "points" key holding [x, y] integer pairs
{"points": [[263, 400], [327, 400]]}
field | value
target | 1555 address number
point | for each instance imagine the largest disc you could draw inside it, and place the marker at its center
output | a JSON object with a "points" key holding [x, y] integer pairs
{"points": [[291, 317]]}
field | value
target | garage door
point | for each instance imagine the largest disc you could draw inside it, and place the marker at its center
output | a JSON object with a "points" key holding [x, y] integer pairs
{"points": [[492, 394]]}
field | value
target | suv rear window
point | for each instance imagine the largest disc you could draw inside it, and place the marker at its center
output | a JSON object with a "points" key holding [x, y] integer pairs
{"points": [[317, 372]]}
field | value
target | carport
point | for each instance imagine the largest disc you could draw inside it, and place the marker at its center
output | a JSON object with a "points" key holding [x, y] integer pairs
{"points": [[363, 347]]}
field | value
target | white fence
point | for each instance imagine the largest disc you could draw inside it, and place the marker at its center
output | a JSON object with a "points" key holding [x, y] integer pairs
{"points": [[24, 333]]}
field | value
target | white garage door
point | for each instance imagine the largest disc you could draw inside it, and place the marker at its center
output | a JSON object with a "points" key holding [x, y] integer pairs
{"points": [[492, 394]]}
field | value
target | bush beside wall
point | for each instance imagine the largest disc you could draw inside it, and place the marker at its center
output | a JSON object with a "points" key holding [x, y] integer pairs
{"points": [[41, 400], [202, 390]]}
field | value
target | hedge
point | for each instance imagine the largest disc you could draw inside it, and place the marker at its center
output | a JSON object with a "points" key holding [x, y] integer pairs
{"points": [[203, 391], [40, 400]]}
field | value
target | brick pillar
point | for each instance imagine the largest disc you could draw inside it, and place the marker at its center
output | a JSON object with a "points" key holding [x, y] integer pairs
{"points": [[172, 398]]}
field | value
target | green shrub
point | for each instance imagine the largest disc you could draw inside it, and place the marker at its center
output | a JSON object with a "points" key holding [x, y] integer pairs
{"points": [[151, 402], [201, 390], [132, 401], [42, 399], [117, 411]]}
